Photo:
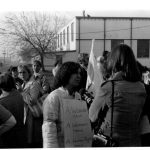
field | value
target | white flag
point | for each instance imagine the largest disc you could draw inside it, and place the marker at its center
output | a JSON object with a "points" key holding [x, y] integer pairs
{"points": [[94, 77]]}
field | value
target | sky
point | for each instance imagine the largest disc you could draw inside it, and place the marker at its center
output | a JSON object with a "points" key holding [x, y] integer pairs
{"points": [[71, 8], [73, 5]]}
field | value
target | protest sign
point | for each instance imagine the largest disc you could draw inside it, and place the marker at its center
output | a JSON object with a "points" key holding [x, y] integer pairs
{"points": [[77, 127]]}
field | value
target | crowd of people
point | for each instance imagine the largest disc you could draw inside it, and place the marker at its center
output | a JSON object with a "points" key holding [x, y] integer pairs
{"points": [[31, 109]]}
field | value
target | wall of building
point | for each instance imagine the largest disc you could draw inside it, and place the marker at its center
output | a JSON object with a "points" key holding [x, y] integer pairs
{"points": [[49, 62], [85, 47], [91, 29], [94, 29], [141, 30], [70, 56], [115, 28], [71, 45]]}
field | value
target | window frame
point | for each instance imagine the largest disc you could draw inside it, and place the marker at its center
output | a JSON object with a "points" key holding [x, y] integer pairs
{"points": [[58, 40], [72, 31], [117, 41], [68, 34], [61, 39], [140, 54], [64, 37]]}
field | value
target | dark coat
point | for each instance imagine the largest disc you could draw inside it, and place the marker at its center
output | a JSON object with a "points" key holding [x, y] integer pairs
{"points": [[129, 99]]}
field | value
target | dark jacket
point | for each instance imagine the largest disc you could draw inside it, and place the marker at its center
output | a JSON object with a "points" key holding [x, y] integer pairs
{"points": [[15, 138], [129, 98]]}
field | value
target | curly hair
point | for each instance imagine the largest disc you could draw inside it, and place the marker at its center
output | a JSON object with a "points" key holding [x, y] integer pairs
{"points": [[7, 82], [64, 73]]}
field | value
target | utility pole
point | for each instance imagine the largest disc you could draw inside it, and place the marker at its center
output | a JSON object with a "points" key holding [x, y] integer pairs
{"points": [[10, 57], [4, 53]]}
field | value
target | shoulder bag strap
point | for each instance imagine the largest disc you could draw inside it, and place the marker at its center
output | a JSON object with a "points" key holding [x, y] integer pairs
{"points": [[112, 102]]}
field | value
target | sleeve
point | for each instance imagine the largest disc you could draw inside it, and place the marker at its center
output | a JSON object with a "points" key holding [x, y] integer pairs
{"points": [[4, 114], [50, 116], [34, 92], [97, 104], [7, 120]]}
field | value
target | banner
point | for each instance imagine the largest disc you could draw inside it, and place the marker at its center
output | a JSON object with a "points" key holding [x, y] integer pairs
{"points": [[77, 127], [94, 77]]}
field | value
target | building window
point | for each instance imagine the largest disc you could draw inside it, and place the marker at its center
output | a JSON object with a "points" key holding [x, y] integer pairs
{"points": [[72, 31], [115, 42], [60, 39], [64, 37], [142, 48], [67, 34]]}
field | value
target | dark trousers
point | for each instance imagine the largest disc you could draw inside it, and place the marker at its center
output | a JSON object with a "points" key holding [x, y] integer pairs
{"points": [[145, 139]]}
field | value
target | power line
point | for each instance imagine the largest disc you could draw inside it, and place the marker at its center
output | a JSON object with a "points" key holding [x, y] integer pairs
{"points": [[94, 32], [108, 30]]}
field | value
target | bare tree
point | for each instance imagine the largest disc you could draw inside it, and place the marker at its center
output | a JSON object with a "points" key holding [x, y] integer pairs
{"points": [[34, 33], [26, 53]]}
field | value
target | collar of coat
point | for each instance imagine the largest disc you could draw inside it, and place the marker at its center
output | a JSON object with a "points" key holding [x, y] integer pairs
{"points": [[118, 76], [38, 75]]}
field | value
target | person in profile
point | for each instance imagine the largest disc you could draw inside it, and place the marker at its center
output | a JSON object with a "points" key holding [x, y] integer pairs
{"points": [[14, 74], [129, 98], [66, 83]]}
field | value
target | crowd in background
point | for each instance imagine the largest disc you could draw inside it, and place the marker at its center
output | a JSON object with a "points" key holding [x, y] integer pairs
{"points": [[22, 125]]}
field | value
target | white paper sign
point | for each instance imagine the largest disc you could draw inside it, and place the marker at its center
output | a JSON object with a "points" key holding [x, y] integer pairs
{"points": [[77, 127]]}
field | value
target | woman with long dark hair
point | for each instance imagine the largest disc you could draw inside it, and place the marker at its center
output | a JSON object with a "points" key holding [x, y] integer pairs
{"points": [[129, 98], [66, 83]]}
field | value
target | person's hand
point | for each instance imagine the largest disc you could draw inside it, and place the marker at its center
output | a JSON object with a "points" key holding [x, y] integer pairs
{"points": [[19, 87]]}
